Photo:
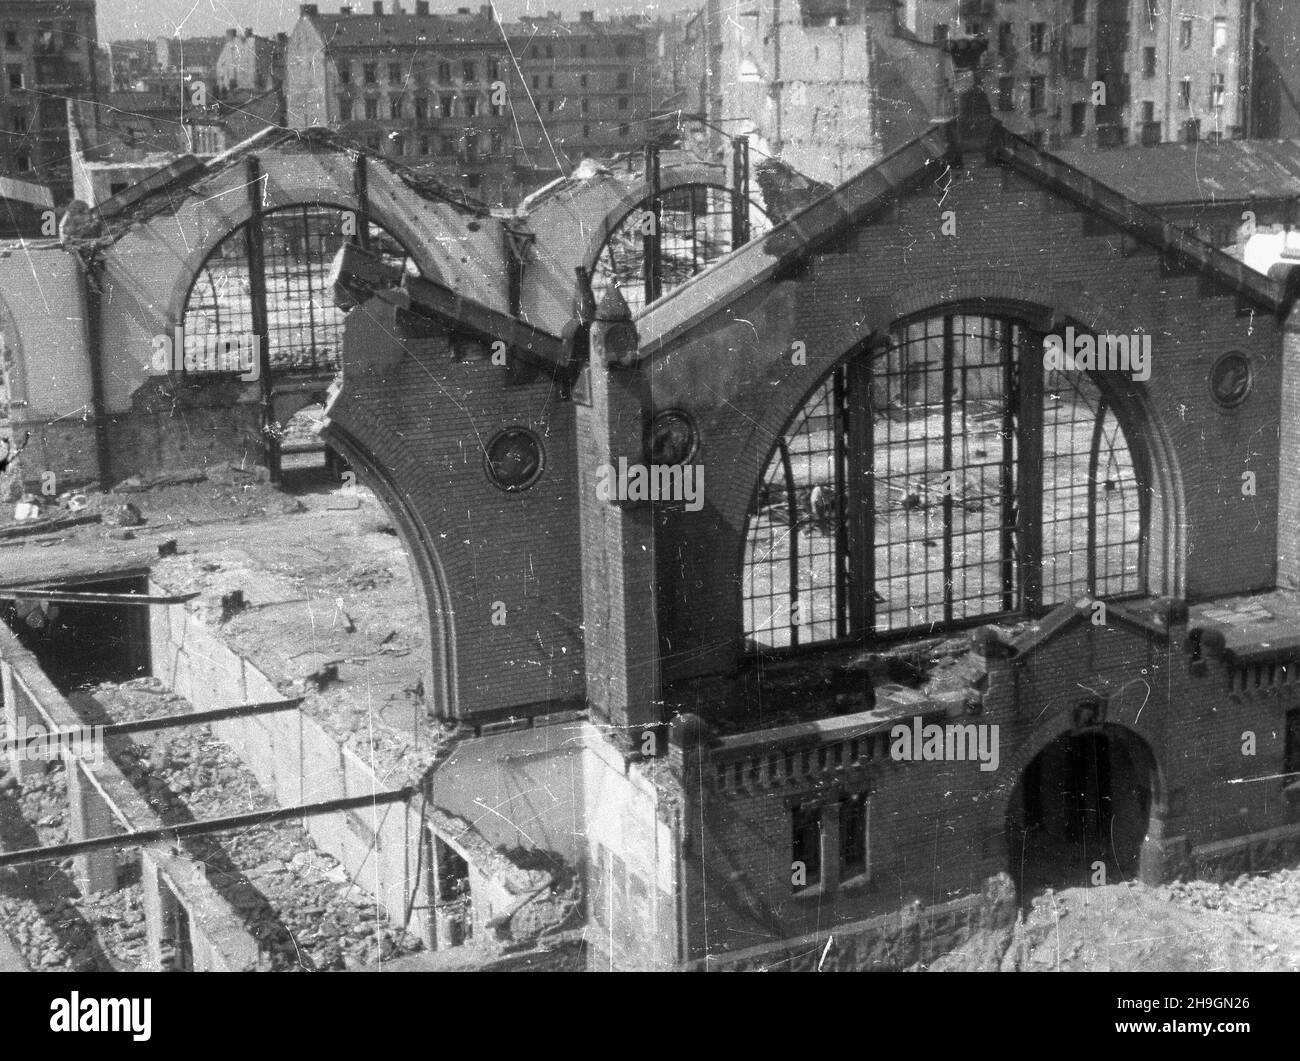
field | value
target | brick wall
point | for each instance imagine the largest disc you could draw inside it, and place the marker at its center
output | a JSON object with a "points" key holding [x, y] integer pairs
{"points": [[938, 829], [427, 419], [1015, 246]]}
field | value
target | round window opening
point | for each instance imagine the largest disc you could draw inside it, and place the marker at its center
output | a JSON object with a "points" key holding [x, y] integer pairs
{"points": [[514, 459], [1230, 379], [672, 439]]}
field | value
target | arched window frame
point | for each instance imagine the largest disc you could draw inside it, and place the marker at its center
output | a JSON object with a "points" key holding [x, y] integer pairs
{"points": [[318, 304], [853, 600]]}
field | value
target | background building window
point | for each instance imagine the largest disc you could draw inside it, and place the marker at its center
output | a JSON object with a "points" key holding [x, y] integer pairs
{"points": [[1037, 93], [1037, 37], [370, 73], [1185, 33], [1148, 62], [1006, 93]]}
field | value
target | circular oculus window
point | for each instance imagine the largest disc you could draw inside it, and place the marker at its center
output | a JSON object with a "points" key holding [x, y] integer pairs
{"points": [[672, 439], [1230, 379], [514, 459]]}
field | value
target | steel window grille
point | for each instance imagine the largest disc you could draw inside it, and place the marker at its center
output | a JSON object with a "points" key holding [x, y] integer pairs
{"points": [[941, 482], [304, 329]]}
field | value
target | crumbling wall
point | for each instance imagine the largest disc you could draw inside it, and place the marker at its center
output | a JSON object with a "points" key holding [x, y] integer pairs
{"points": [[100, 796], [293, 758]]}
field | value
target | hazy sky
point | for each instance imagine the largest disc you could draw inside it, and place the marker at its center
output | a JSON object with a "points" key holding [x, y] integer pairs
{"points": [[121, 19]]}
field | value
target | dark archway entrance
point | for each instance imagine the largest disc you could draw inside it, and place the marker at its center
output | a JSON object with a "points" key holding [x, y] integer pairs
{"points": [[1090, 797]]}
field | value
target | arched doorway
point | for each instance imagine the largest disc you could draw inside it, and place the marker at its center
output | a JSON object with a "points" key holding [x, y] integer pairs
{"points": [[1089, 799]]}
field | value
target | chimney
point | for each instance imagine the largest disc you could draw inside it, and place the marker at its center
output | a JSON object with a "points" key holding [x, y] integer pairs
{"points": [[248, 32], [462, 11], [586, 16], [345, 10], [485, 12], [308, 10], [421, 7], [231, 33], [378, 7]]}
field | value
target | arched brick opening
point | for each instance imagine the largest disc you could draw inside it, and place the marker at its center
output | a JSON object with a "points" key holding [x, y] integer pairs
{"points": [[441, 682], [1084, 792]]}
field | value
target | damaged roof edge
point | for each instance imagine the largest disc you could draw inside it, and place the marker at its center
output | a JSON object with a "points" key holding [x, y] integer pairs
{"points": [[747, 267]]}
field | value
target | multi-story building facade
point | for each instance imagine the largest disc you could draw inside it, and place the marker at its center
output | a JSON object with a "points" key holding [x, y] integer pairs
{"points": [[493, 108], [49, 56], [833, 85], [585, 89], [829, 86], [248, 62], [1169, 72], [428, 89]]}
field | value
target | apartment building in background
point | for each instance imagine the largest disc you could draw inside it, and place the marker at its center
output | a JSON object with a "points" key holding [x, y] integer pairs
{"points": [[583, 90], [494, 108], [49, 56], [248, 62], [1104, 73]]}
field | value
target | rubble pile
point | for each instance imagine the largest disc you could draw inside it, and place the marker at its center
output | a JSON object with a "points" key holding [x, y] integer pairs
{"points": [[295, 900]]}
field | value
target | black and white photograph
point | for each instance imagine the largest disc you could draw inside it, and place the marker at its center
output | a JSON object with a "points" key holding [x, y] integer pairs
{"points": [[785, 486]]}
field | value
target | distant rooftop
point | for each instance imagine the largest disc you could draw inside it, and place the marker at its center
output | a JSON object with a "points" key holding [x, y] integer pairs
{"points": [[1205, 172]]}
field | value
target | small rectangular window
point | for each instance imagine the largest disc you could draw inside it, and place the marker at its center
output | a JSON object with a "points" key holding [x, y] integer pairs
{"points": [[1078, 119], [1220, 33], [1037, 37], [395, 107], [1218, 88], [1080, 12], [1006, 38], [395, 74], [11, 38], [1037, 93], [622, 103], [16, 80], [1006, 93], [447, 106], [1148, 62], [941, 33], [370, 73], [853, 835], [806, 846], [1185, 91], [345, 72], [622, 80], [444, 73], [1185, 33], [372, 109], [345, 109], [471, 106], [469, 73]]}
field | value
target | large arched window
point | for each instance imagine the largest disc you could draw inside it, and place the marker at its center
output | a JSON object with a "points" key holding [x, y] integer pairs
{"points": [[942, 480], [696, 228], [304, 327]]}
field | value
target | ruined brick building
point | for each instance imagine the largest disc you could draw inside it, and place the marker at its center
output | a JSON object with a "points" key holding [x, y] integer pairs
{"points": [[907, 517]]}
